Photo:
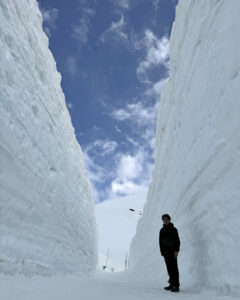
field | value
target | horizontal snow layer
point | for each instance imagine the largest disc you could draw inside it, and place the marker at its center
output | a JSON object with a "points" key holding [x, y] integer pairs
{"points": [[47, 221], [197, 172]]}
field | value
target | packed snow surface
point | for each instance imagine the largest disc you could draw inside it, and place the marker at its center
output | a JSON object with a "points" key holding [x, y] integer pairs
{"points": [[116, 227], [108, 286], [47, 221], [196, 178]]}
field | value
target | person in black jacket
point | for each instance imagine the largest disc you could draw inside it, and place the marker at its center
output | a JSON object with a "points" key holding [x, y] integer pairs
{"points": [[169, 243]]}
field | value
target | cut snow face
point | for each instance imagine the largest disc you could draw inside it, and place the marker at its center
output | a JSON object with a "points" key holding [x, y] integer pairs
{"points": [[197, 172], [117, 220], [47, 221]]}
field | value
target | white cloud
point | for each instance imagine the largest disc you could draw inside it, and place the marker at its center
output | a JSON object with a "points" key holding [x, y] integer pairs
{"points": [[121, 114], [136, 113], [134, 170], [70, 105], [98, 129], [130, 173], [81, 29], [80, 33], [157, 87], [130, 167], [89, 11], [101, 147], [79, 133], [117, 128], [105, 146], [96, 173], [154, 89], [116, 30], [47, 31], [157, 53], [103, 102], [49, 18], [132, 176], [125, 188], [132, 141], [155, 3], [124, 4], [71, 64]]}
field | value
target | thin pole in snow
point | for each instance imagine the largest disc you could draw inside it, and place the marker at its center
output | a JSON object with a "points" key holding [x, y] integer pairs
{"points": [[107, 257], [126, 261]]}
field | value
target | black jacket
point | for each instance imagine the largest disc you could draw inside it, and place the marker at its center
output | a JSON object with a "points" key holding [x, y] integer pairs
{"points": [[169, 241]]}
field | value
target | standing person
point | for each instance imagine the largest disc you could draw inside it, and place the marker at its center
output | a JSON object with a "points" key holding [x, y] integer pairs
{"points": [[169, 243]]}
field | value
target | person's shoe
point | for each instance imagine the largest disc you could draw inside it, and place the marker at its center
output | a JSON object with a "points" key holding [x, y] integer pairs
{"points": [[175, 289], [168, 288]]}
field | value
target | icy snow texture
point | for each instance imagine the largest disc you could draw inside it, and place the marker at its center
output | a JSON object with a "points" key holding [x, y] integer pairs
{"points": [[47, 221], [196, 178]]}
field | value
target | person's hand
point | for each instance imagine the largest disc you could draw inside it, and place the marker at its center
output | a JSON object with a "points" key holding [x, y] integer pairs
{"points": [[175, 253]]}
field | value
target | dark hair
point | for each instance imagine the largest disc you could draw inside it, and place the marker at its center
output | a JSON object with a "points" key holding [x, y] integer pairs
{"points": [[166, 216]]}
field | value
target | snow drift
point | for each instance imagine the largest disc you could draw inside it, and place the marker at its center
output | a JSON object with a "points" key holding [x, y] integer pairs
{"points": [[117, 226], [47, 221], [196, 178]]}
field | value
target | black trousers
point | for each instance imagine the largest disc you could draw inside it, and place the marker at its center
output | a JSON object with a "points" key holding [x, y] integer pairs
{"points": [[172, 268]]}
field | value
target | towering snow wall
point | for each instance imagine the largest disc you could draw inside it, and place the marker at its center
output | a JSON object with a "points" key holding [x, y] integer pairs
{"points": [[47, 221], [196, 178]]}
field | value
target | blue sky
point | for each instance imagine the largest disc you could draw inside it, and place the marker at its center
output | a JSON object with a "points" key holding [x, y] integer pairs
{"points": [[113, 56]]}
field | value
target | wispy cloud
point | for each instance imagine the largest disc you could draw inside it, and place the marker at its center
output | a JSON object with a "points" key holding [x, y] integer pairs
{"points": [[133, 170], [136, 113], [116, 30], [156, 54], [81, 29], [71, 62], [155, 3], [117, 129], [80, 32], [129, 174], [153, 89], [101, 147], [49, 19], [70, 105], [96, 173], [105, 146], [124, 4], [132, 141]]}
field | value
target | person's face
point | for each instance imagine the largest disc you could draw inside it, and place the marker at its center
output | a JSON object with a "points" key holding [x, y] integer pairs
{"points": [[166, 221]]}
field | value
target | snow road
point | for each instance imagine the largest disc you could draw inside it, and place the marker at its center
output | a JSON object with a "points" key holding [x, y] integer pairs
{"points": [[101, 287]]}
